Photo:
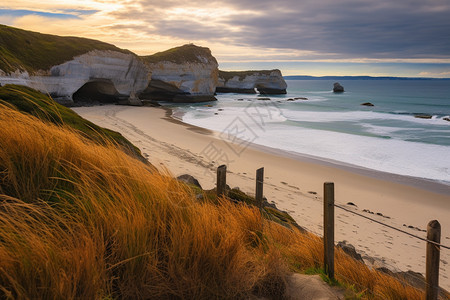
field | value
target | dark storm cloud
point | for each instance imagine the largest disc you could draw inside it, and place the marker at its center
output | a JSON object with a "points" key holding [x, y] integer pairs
{"points": [[339, 29]]}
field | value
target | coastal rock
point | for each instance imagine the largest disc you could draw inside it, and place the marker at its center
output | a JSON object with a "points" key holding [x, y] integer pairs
{"points": [[186, 178], [337, 88], [184, 74], [267, 82], [446, 119], [414, 279], [367, 104], [423, 116], [350, 250], [97, 76]]}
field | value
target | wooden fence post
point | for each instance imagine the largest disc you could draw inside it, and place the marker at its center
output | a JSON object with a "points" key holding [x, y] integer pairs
{"points": [[221, 180], [328, 228], [259, 187], [433, 253]]}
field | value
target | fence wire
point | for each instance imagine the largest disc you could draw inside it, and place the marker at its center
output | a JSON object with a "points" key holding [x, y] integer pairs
{"points": [[391, 227]]}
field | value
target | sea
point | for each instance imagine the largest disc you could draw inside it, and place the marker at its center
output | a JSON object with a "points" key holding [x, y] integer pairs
{"points": [[312, 121]]}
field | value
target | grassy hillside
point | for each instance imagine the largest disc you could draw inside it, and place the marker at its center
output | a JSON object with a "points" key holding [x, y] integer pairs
{"points": [[83, 220], [42, 106], [32, 51], [182, 54]]}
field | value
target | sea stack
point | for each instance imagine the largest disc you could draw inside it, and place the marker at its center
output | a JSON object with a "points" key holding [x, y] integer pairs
{"points": [[337, 88]]}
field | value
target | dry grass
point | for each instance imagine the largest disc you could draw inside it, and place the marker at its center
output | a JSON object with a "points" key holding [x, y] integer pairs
{"points": [[83, 220]]}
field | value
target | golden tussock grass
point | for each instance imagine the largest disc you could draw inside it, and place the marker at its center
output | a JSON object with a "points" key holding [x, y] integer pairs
{"points": [[83, 220]]}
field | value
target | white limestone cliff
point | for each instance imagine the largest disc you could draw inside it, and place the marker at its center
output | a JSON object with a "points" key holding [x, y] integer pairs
{"points": [[182, 82], [264, 82], [117, 74], [184, 74]]}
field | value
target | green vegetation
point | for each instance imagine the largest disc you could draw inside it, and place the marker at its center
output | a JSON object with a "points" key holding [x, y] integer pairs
{"points": [[182, 54], [227, 75], [35, 103], [32, 51]]}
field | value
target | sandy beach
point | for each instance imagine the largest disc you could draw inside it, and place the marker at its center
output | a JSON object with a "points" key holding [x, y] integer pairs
{"points": [[295, 183]]}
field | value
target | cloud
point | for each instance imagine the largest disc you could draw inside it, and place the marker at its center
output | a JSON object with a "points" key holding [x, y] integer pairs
{"points": [[284, 30], [343, 29], [435, 74]]}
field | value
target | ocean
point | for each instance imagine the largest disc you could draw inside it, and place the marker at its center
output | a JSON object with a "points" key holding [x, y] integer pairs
{"points": [[336, 128]]}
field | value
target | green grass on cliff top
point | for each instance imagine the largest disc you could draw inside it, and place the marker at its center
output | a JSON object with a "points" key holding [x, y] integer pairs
{"points": [[32, 51], [30, 101], [182, 54]]}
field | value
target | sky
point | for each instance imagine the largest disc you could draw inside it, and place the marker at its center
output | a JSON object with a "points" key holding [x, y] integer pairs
{"points": [[301, 37]]}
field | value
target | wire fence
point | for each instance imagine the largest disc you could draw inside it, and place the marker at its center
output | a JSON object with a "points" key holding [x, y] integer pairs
{"points": [[391, 227], [407, 279]]}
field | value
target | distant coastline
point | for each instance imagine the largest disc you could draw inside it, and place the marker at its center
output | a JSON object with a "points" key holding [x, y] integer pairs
{"points": [[306, 77]]}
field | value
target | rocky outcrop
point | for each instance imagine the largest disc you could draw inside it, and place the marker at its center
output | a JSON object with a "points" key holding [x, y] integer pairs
{"points": [[423, 116], [184, 74], [338, 88], [97, 76], [367, 104], [189, 179], [265, 82], [350, 250]]}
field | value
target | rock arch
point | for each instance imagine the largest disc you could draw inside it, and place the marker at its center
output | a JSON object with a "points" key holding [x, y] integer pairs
{"points": [[97, 90]]}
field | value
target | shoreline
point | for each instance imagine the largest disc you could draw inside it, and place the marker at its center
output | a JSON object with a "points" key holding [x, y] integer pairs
{"points": [[294, 185], [431, 185]]}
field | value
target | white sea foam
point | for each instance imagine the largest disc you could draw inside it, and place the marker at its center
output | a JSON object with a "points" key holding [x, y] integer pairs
{"points": [[388, 155], [326, 116]]}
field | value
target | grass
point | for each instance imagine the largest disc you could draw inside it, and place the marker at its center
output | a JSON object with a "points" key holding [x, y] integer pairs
{"points": [[32, 51], [32, 102], [79, 219], [180, 55]]}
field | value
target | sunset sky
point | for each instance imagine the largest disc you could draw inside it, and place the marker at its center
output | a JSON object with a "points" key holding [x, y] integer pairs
{"points": [[309, 37]]}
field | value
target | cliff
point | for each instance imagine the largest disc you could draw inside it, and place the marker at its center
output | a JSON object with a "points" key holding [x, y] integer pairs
{"points": [[70, 69], [264, 82], [97, 76], [183, 74], [78, 71], [22, 50]]}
